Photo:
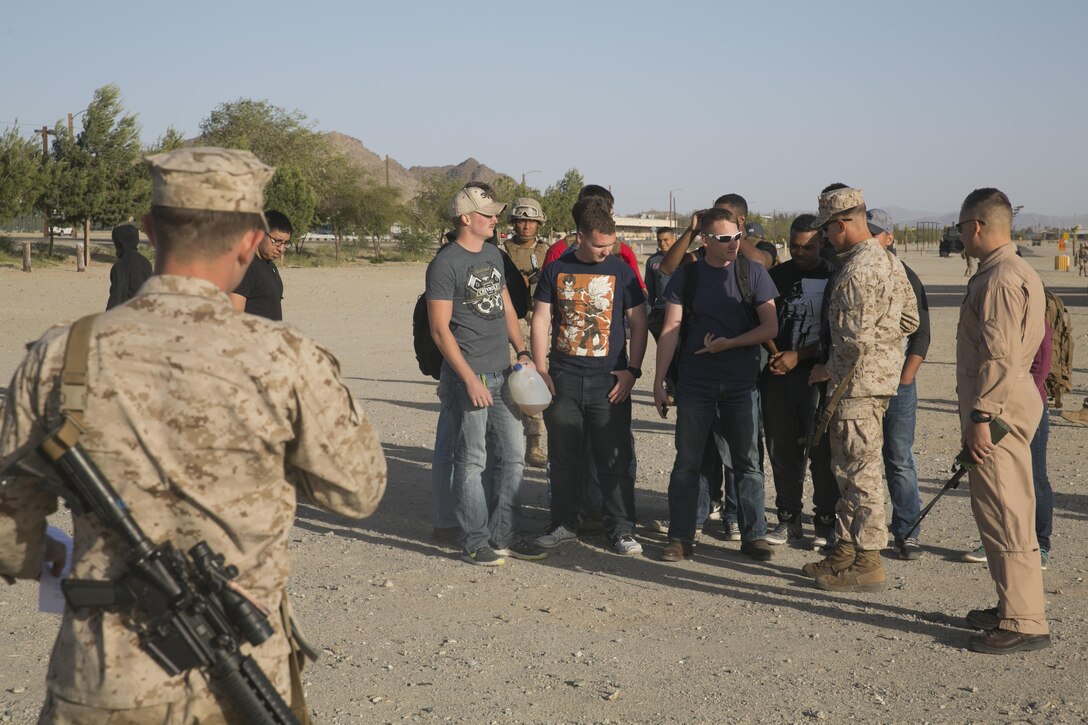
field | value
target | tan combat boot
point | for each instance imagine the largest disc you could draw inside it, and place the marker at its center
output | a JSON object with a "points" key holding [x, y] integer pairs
{"points": [[841, 557], [866, 574], [535, 455]]}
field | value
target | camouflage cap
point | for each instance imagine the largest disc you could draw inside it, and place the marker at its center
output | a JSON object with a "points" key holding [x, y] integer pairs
{"points": [[474, 199], [209, 178], [527, 208], [835, 202]]}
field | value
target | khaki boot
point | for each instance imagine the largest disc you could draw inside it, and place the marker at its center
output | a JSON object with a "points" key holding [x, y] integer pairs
{"points": [[535, 455], [841, 557], [866, 574]]}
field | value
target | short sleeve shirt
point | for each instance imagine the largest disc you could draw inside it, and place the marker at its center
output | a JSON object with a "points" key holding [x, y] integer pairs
{"points": [[263, 289], [799, 304], [719, 309], [588, 303], [474, 282]]}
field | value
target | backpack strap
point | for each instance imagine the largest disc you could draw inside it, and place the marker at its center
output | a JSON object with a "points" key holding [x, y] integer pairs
{"points": [[73, 388]]}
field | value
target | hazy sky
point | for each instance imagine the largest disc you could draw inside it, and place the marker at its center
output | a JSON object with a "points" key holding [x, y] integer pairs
{"points": [[916, 102]]}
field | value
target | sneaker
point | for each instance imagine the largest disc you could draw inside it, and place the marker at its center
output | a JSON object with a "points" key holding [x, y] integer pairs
{"points": [[627, 546], [1044, 556], [659, 526], [785, 532], [730, 531], [975, 556], [522, 549], [555, 536], [484, 556], [758, 549], [908, 548], [825, 537], [715, 511]]}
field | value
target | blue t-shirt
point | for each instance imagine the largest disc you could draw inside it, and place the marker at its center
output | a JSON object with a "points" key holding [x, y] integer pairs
{"points": [[588, 303], [719, 309]]}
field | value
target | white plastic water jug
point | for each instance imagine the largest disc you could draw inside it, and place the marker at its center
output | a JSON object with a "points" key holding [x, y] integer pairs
{"points": [[529, 390]]}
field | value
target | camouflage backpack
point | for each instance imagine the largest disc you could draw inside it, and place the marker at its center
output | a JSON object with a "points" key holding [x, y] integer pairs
{"points": [[1060, 378]]}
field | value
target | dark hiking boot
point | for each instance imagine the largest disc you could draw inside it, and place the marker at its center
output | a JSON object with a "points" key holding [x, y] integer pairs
{"points": [[1005, 642], [983, 619]]}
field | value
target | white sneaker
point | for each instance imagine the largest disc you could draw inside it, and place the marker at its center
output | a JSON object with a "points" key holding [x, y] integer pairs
{"points": [[627, 546], [555, 537]]}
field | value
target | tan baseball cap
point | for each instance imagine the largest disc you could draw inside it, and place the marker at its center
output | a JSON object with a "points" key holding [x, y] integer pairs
{"points": [[835, 202], [474, 199], [209, 178]]}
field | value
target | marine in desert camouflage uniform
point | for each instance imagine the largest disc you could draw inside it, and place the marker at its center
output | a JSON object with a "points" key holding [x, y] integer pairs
{"points": [[527, 251], [209, 423], [870, 309]]}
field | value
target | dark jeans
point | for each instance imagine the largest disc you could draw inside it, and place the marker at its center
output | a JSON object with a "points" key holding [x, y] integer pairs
{"points": [[698, 405], [789, 406], [581, 412], [899, 467], [1044, 494]]}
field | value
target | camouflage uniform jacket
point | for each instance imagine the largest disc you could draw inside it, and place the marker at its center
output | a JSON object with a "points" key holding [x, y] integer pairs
{"points": [[209, 423], [870, 309], [528, 260]]}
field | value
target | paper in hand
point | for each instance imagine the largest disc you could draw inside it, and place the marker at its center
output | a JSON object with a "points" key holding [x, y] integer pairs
{"points": [[50, 596]]}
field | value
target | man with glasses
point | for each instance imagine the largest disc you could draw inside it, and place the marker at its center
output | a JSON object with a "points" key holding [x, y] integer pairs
{"points": [[261, 290], [724, 325], [472, 321], [1000, 328], [870, 308]]}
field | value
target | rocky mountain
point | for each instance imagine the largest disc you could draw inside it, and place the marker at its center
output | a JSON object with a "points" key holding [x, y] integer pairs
{"points": [[408, 179]]}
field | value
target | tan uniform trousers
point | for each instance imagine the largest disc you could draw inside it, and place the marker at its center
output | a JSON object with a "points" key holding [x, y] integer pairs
{"points": [[856, 435], [1003, 501], [533, 424]]}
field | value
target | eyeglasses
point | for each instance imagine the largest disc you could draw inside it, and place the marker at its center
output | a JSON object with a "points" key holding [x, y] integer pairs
{"points": [[278, 242], [960, 225], [724, 238]]}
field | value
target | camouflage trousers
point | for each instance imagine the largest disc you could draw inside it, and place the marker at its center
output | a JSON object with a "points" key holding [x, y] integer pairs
{"points": [[202, 709], [856, 435]]}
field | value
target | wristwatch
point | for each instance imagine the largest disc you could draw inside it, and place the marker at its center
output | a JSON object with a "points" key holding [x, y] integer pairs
{"points": [[526, 353], [637, 372], [977, 416]]}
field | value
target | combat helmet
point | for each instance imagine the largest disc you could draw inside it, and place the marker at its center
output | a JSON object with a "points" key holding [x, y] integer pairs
{"points": [[527, 208]]}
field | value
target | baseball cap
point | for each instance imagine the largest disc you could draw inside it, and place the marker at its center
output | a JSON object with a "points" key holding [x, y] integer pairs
{"points": [[879, 221], [835, 202], [474, 199], [753, 229], [209, 178]]}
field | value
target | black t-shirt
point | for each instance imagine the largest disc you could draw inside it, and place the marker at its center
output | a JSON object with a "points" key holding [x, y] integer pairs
{"points": [[263, 289], [799, 303]]}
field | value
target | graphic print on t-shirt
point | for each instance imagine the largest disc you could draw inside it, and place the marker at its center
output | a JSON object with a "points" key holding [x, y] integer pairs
{"points": [[799, 318], [483, 292], [585, 313]]}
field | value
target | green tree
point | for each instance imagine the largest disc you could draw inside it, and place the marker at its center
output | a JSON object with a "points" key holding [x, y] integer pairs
{"points": [[557, 201], [380, 209], [20, 175], [103, 179], [290, 193], [429, 211]]}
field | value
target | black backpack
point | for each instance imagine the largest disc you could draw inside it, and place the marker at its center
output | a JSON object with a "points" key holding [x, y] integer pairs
{"points": [[428, 355]]}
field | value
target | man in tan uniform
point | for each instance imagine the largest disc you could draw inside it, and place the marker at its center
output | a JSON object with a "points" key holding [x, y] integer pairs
{"points": [[209, 424], [1000, 330], [527, 252], [870, 309]]}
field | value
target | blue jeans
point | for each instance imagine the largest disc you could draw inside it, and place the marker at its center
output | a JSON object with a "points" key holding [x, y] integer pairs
{"points": [[1044, 494], [899, 466], [442, 503], [581, 413], [486, 484], [698, 405]]}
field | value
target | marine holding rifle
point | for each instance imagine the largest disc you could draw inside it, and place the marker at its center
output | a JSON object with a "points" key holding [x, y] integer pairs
{"points": [[870, 308], [209, 424]]}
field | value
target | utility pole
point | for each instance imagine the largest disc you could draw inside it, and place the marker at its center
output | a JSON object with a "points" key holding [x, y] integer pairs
{"points": [[387, 169], [44, 130]]}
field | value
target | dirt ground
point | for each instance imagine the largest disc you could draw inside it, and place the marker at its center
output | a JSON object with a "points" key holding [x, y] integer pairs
{"points": [[409, 632]]}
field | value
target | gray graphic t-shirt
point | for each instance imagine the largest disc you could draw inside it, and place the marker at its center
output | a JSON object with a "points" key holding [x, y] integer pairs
{"points": [[473, 281]]}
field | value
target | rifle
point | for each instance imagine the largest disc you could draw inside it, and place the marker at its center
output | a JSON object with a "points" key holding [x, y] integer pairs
{"points": [[963, 464], [187, 610]]}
